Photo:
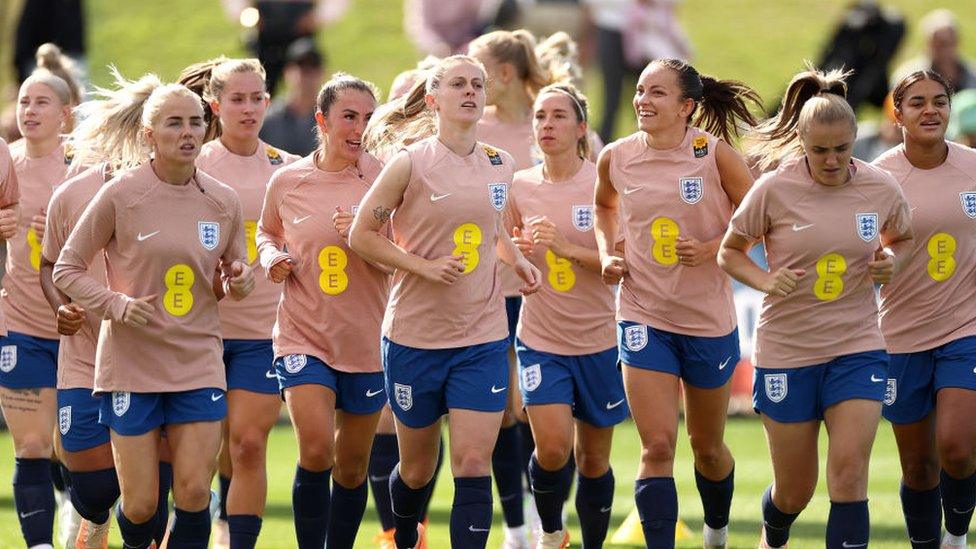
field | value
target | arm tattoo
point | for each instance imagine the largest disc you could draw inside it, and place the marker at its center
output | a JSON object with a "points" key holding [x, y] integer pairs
{"points": [[382, 214]]}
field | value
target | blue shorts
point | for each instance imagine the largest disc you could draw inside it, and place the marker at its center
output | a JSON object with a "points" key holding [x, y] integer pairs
{"points": [[792, 395], [703, 362], [250, 365], [915, 378], [28, 362], [512, 307], [423, 384], [132, 414], [78, 420], [591, 383], [355, 393]]}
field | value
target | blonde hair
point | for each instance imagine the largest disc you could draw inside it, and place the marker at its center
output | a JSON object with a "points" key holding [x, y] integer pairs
{"points": [[208, 79], [51, 80], [937, 20], [159, 95], [49, 57], [111, 126], [407, 118], [813, 96], [518, 48], [559, 58], [580, 108]]}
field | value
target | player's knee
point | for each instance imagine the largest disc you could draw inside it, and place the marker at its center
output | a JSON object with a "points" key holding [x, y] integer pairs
{"points": [[658, 450], [471, 463], [316, 454], [793, 499], [191, 494], [921, 473], [248, 448], [957, 456], [417, 474], [34, 446], [592, 464], [350, 473], [139, 508], [708, 452], [553, 454], [848, 481]]}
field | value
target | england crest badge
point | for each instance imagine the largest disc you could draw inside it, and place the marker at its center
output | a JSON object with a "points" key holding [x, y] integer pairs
{"points": [[403, 395], [498, 195], [64, 419], [120, 402], [867, 226], [209, 232], [635, 337], [691, 189], [531, 377], [968, 204], [776, 387], [583, 218], [8, 358], [891, 392], [294, 363]]}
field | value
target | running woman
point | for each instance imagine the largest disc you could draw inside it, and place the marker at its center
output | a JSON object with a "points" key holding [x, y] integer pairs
{"points": [[566, 342], [236, 93], [29, 350], [928, 318], [159, 360], [673, 186], [445, 335], [832, 228], [326, 337]]}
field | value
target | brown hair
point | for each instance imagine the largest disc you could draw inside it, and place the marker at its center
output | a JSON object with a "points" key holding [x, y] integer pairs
{"points": [[49, 57], [580, 108], [907, 81], [208, 78], [519, 49], [559, 58], [330, 91]]}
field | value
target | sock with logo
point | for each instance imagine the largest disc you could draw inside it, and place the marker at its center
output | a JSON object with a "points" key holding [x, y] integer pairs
{"points": [[848, 525], [594, 497], [923, 516], [34, 499], [406, 503], [776, 523], [135, 536], [310, 502], [471, 512], [346, 514], [958, 498], [506, 464], [244, 530], [716, 497], [191, 529], [657, 505], [383, 457], [162, 504], [549, 489], [93, 493], [433, 482], [224, 483]]}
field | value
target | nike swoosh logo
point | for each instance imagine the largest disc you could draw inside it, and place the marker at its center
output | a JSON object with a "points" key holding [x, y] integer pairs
{"points": [[471, 528], [724, 364], [32, 513], [604, 509], [612, 405], [798, 228], [958, 512], [849, 545], [379, 478], [497, 389], [270, 375], [215, 398], [876, 379], [298, 220], [913, 540], [508, 497], [140, 237], [370, 394], [434, 197], [631, 190]]}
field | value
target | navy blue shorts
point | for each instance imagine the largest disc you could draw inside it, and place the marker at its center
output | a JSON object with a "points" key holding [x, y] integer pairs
{"points": [[512, 307], [793, 395], [361, 394], [915, 378], [591, 383], [423, 384], [28, 362], [78, 420], [133, 414], [250, 365], [703, 362]]}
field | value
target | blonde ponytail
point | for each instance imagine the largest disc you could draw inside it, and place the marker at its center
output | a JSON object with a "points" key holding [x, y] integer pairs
{"points": [[49, 57]]}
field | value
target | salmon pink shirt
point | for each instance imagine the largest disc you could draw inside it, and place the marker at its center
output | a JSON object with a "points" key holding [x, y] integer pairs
{"points": [[9, 196], [931, 301], [831, 232], [163, 240], [254, 317], [333, 301]]}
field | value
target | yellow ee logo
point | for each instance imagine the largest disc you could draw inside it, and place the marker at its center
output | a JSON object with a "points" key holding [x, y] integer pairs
{"points": [[333, 261], [829, 283], [561, 276], [35, 249], [467, 238], [250, 236], [942, 264], [664, 231], [178, 299]]}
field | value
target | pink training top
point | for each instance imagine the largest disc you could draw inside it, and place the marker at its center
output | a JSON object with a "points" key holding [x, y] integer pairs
{"points": [[26, 310], [76, 354], [665, 194], [251, 318], [164, 240], [333, 300], [573, 311], [832, 233], [9, 195], [931, 302], [452, 205]]}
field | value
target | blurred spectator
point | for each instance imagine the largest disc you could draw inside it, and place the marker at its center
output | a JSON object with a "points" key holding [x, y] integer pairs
{"points": [[290, 123], [442, 28], [629, 34], [278, 24], [874, 138], [941, 32], [60, 22], [545, 17], [962, 118]]}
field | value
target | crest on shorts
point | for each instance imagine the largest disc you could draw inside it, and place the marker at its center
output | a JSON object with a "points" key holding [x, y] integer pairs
{"points": [[867, 226], [776, 387], [209, 233], [64, 419], [700, 146], [583, 217], [120, 402], [274, 157], [691, 189], [294, 363], [403, 395], [531, 377], [968, 204], [891, 392], [8, 358], [635, 337], [498, 195]]}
